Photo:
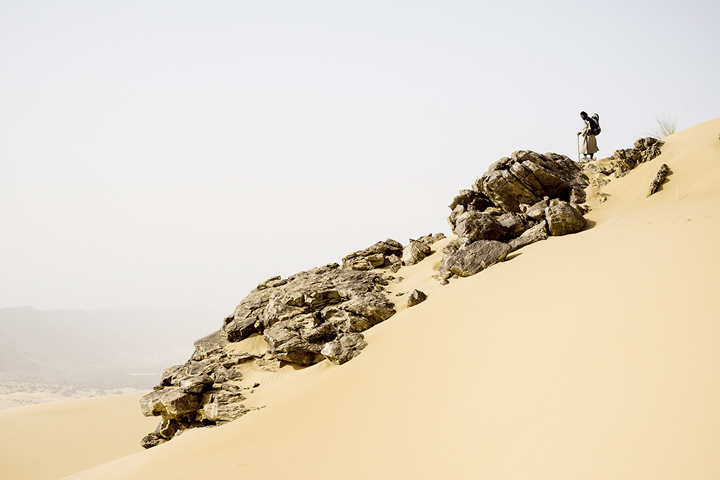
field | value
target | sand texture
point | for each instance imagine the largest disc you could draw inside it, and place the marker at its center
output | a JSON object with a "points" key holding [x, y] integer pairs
{"points": [[589, 356]]}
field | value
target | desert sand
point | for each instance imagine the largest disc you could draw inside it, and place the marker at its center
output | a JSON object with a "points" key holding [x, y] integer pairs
{"points": [[588, 356]]}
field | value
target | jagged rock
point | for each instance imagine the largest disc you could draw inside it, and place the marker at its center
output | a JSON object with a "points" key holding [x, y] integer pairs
{"points": [[415, 252], [373, 307], [513, 224], [223, 374], [283, 306], [393, 262], [473, 226], [415, 298], [152, 440], [287, 345], [219, 414], [626, 159], [209, 345], [322, 333], [563, 218], [452, 246], [514, 195], [472, 200], [527, 177], [659, 179], [241, 329], [169, 375], [599, 182], [372, 257], [474, 257], [537, 211], [531, 235], [222, 407], [430, 238], [170, 402], [344, 348], [272, 283], [196, 384]]}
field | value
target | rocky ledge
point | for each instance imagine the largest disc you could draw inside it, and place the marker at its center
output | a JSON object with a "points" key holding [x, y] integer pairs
{"points": [[520, 200], [321, 313], [306, 318]]}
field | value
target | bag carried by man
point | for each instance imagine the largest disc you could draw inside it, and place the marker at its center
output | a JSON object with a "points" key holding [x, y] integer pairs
{"points": [[595, 124]]}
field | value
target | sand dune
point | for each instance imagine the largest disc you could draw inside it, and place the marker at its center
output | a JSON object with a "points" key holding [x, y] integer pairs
{"points": [[592, 356], [51, 440]]}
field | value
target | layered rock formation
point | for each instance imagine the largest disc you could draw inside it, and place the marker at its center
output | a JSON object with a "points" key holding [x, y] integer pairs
{"points": [[521, 199], [321, 313], [622, 162], [303, 319]]}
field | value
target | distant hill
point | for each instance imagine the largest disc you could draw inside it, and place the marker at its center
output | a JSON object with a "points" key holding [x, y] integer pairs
{"points": [[109, 348]]}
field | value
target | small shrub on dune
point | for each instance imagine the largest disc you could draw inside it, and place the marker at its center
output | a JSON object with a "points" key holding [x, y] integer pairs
{"points": [[666, 126]]}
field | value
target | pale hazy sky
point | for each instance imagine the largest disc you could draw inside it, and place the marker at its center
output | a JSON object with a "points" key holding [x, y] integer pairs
{"points": [[158, 153]]}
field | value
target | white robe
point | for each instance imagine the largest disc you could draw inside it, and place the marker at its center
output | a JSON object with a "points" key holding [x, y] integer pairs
{"points": [[589, 144]]}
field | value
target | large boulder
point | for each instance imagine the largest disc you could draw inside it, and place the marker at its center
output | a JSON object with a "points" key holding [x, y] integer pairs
{"points": [[563, 218], [535, 212], [170, 402], [369, 309], [529, 236], [286, 344], [415, 252], [473, 226], [513, 196], [526, 177], [344, 348], [513, 224], [475, 257]]}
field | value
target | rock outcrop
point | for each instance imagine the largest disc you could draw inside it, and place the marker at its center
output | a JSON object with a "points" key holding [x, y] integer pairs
{"points": [[659, 179], [473, 258], [523, 178], [321, 313], [624, 160], [563, 218], [382, 254], [520, 200], [303, 319]]}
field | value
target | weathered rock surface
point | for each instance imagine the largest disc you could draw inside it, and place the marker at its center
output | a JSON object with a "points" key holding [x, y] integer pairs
{"points": [[472, 226], [415, 298], [513, 197], [563, 218], [535, 234], [415, 252], [376, 256], [344, 348], [306, 318], [524, 178], [624, 160], [659, 179], [430, 238], [475, 257]]}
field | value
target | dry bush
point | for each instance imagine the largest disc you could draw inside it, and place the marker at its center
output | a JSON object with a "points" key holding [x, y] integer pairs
{"points": [[665, 126]]}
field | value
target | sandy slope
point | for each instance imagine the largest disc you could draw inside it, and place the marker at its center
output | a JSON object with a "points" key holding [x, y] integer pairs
{"points": [[51, 440], [590, 356]]}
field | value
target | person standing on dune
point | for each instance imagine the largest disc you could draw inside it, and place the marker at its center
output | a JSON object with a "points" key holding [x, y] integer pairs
{"points": [[589, 143]]}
